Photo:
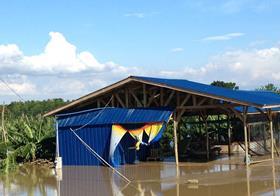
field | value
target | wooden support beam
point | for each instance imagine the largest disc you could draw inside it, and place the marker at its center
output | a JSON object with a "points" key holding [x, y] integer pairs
{"points": [[98, 103], [194, 100], [152, 97], [126, 97], [185, 100], [199, 107], [271, 133], [204, 118], [161, 96], [229, 135], [175, 124], [245, 110], [139, 104], [169, 98], [202, 101], [120, 100], [144, 95], [113, 100], [177, 98], [237, 114], [180, 114]]}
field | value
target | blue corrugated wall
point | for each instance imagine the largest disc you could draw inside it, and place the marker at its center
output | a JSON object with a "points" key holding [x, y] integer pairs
{"points": [[73, 152]]}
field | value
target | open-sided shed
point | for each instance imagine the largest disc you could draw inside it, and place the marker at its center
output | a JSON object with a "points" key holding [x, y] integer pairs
{"points": [[184, 97]]}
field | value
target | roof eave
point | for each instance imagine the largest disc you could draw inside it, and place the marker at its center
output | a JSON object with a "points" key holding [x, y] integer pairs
{"points": [[88, 96]]}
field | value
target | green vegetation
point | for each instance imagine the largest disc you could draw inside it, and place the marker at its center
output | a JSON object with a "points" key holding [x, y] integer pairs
{"points": [[269, 87], [230, 85], [25, 134]]}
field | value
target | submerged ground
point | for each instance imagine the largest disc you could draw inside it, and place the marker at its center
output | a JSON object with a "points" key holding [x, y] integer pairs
{"points": [[219, 177]]}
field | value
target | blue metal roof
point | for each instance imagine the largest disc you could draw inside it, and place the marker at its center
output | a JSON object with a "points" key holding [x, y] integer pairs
{"points": [[113, 115], [255, 98], [254, 110]]}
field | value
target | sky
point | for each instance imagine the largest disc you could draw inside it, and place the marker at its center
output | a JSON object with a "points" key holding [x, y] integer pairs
{"points": [[65, 49]]}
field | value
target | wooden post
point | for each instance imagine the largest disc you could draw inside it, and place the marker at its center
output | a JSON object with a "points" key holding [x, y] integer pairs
{"points": [[271, 134], [207, 137], [249, 135], [175, 123], [57, 137], [248, 173], [245, 109], [3, 124], [229, 137], [274, 178]]}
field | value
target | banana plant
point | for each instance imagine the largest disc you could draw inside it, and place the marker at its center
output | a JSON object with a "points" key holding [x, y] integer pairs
{"points": [[25, 137]]}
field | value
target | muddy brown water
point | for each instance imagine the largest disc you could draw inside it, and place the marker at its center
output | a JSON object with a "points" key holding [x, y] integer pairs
{"points": [[219, 177]]}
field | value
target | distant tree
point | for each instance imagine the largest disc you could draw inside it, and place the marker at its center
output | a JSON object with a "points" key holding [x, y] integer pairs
{"points": [[269, 87], [230, 85], [33, 108]]}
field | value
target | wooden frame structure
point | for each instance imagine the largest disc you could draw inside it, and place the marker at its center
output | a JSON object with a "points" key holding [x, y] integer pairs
{"points": [[134, 92]]}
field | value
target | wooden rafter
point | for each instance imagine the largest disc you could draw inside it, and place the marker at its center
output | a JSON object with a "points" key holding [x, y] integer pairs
{"points": [[136, 98], [152, 97], [169, 98], [119, 100]]}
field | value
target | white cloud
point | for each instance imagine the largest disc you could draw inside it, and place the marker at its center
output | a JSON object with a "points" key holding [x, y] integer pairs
{"points": [[135, 14], [59, 56], [248, 68], [59, 71], [177, 49], [140, 14], [224, 37], [20, 84]]}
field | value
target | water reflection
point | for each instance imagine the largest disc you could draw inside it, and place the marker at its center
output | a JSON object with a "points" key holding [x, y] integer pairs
{"points": [[214, 178], [29, 180]]}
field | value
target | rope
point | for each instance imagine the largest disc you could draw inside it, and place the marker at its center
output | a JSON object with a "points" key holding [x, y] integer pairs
{"points": [[102, 110], [91, 150], [98, 156], [11, 89]]}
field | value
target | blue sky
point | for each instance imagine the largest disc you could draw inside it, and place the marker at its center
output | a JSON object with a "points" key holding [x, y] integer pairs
{"points": [[162, 38]]}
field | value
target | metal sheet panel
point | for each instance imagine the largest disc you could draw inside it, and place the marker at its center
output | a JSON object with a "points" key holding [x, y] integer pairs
{"points": [[258, 98], [113, 116], [73, 152]]}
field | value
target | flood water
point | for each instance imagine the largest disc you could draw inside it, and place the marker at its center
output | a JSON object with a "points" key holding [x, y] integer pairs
{"points": [[219, 177]]}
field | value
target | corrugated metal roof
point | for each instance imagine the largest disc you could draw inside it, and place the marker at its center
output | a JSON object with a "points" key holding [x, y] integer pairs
{"points": [[253, 110], [256, 98], [112, 116]]}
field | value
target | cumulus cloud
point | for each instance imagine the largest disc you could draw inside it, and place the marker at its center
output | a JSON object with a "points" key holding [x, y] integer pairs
{"points": [[59, 71], [59, 56], [18, 83], [249, 68], [224, 37]]}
